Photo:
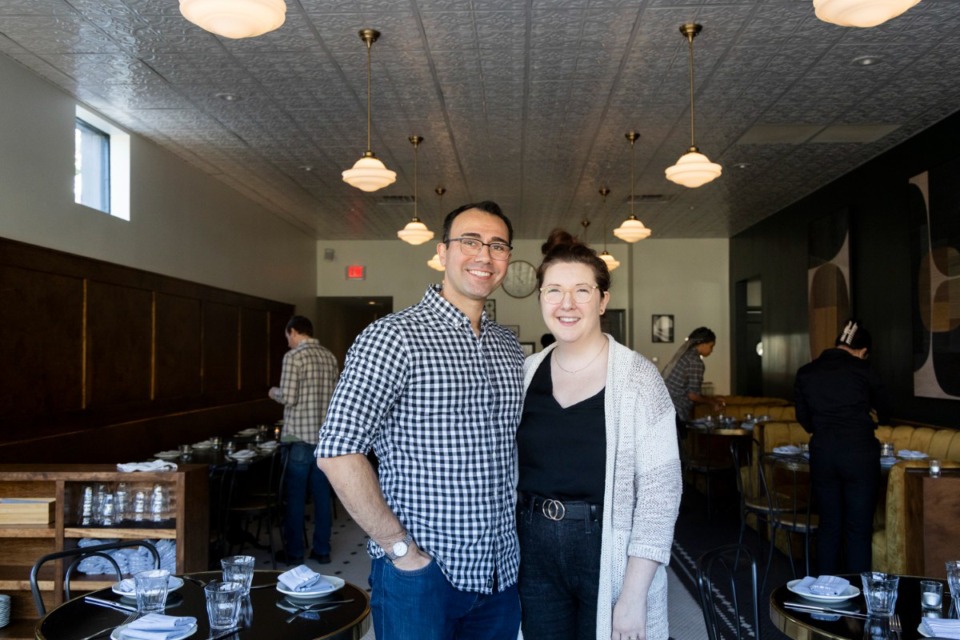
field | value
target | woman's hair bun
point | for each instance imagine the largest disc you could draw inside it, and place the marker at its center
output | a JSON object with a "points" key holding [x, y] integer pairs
{"points": [[558, 237]]}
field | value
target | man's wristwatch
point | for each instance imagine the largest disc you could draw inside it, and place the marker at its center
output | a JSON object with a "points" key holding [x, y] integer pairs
{"points": [[399, 549]]}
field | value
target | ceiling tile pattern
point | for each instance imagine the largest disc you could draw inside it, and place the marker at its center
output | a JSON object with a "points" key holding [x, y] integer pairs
{"points": [[523, 103]]}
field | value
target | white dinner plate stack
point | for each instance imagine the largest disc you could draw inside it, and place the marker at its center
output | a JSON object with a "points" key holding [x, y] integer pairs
{"points": [[4, 610]]}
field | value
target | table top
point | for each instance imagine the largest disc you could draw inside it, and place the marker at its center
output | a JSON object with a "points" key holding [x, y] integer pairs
{"points": [[264, 618], [800, 625]]}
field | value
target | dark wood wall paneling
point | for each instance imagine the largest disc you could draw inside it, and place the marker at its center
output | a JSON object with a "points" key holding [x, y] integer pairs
{"points": [[92, 350], [775, 251]]}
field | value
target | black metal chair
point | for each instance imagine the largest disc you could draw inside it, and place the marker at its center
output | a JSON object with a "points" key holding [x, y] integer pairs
{"points": [[751, 488], [791, 511], [704, 455], [263, 505], [78, 555], [221, 482], [727, 585]]}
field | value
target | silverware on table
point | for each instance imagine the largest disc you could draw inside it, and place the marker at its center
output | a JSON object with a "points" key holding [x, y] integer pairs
{"points": [[316, 607], [815, 609], [272, 585], [110, 604], [224, 634]]}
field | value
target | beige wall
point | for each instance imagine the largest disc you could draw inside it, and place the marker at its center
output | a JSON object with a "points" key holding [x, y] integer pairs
{"points": [[183, 223], [686, 278]]}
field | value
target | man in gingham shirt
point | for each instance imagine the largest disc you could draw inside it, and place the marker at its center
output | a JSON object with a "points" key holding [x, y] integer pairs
{"points": [[436, 391], [307, 379]]}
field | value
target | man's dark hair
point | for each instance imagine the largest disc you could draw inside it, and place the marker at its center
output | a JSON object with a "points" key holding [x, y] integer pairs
{"points": [[301, 325], [487, 206]]}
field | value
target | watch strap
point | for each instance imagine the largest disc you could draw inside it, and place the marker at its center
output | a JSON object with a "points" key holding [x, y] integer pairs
{"points": [[407, 540]]}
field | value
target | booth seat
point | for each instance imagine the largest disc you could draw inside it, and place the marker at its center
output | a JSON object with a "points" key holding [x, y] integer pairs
{"points": [[738, 406], [893, 549]]}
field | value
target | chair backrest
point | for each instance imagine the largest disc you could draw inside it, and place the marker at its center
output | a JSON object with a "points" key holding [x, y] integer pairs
{"points": [[787, 482], [221, 482], [727, 584], [78, 555]]}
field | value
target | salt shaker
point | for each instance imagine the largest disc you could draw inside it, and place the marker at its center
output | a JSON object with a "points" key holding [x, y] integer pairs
{"points": [[934, 468]]}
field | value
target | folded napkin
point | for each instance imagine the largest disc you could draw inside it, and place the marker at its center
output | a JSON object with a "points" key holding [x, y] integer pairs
{"points": [[822, 586], [941, 627], [787, 450], [127, 586], [887, 461], [907, 454], [243, 454], [153, 465], [304, 579], [156, 626]]}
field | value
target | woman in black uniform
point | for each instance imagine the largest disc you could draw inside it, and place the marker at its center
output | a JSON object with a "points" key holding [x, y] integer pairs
{"points": [[835, 395]]}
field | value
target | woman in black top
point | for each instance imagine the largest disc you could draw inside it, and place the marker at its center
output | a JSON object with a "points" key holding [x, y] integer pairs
{"points": [[835, 395]]}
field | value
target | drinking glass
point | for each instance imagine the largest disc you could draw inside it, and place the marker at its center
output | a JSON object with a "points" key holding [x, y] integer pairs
{"points": [[931, 594], [880, 592], [151, 590], [223, 604], [953, 579], [238, 569]]}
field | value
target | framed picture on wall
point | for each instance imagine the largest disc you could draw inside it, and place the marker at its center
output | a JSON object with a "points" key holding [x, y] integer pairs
{"points": [[513, 328], [613, 321], [490, 306], [528, 348], [662, 327]]}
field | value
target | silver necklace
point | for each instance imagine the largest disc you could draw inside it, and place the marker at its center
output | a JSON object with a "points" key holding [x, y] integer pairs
{"points": [[562, 368]]}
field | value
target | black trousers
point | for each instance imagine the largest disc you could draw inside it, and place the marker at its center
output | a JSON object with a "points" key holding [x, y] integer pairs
{"points": [[845, 474]]}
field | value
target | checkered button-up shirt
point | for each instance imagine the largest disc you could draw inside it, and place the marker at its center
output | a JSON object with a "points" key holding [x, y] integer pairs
{"points": [[440, 407], [686, 376], [307, 380]]}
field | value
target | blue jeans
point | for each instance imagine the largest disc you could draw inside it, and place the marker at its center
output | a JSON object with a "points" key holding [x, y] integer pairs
{"points": [[302, 472], [423, 605], [559, 576]]}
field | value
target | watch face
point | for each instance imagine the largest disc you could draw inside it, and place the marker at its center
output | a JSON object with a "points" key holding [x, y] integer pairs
{"points": [[400, 549], [521, 279]]}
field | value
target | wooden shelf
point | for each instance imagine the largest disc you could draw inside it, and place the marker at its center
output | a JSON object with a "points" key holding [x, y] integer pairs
{"points": [[19, 629], [27, 531], [109, 533]]}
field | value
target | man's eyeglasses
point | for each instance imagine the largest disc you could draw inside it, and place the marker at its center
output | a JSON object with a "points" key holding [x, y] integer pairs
{"points": [[472, 247], [581, 293]]}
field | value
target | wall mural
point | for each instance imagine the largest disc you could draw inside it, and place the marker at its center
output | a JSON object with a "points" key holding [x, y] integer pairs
{"points": [[828, 279], [934, 210]]}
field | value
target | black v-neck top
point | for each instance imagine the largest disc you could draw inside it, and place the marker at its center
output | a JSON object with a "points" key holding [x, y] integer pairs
{"points": [[562, 451]]}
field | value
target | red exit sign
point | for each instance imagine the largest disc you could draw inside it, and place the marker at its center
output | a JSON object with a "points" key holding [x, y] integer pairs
{"points": [[356, 272]]}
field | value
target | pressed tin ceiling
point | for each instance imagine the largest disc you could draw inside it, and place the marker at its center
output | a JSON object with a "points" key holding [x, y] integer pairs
{"points": [[522, 102]]}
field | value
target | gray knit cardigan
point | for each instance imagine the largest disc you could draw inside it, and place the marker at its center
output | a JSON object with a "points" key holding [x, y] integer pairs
{"points": [[642, 481]]}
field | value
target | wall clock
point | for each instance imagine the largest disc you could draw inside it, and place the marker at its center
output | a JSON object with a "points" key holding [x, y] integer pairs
{"points": [[521, 279]]}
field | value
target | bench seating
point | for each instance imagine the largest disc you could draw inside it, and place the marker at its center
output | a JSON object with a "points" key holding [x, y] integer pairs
{"points": [[891, 530]]}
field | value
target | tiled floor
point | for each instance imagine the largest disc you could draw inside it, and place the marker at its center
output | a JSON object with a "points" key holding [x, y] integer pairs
{"points": [[349, 560]]}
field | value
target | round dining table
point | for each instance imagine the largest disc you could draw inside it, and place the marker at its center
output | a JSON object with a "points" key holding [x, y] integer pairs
{"points": [[267, 615], [802, 625]]}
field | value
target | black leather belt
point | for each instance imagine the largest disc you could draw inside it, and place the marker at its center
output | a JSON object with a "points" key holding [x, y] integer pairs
{"points": [[557, 510]]}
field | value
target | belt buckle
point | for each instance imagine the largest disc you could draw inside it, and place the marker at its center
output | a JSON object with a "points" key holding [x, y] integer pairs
{"points": [[553, 510]]}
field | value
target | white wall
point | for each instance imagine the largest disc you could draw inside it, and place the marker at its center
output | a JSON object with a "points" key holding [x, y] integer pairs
{"points": [[686, 278], [183, 223]]}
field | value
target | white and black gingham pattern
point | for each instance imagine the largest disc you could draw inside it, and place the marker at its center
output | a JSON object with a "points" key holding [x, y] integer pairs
{"points": [[686, 376], [440, 408], [307, 380]]}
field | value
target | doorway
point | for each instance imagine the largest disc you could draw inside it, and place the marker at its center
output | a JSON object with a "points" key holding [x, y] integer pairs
{"points": [[749, 338], [341, 319]]}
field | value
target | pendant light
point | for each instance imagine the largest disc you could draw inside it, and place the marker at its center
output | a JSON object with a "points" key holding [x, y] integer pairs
{"points": [[434, 262], [612, 263], [631, 230], [415, 232], [693, 169], [860, 13], [369, 174], [235, 18]]}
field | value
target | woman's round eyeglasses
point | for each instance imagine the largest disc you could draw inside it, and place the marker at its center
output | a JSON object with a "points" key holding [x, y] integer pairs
{"points": [[582, 293]]}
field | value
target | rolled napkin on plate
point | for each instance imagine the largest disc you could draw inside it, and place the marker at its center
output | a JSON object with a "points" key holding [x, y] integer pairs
{"points": [[153, 465], [157, 626], [941, 627], [823, 585], [304, 579], [787, 450], [907, 454]]}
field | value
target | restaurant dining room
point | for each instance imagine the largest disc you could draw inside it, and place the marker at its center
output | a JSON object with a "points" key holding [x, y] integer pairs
{"points": [[768, 194]]}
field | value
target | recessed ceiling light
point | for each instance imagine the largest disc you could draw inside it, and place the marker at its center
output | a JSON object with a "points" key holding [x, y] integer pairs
{"points": [[306, 167], [742, 165], [228, 97], [867, 61]]}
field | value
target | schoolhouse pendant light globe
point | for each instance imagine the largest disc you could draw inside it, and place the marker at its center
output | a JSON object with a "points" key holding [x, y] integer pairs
{"points": [[860, 13], [368, 173], [612, 263], [630, 230], [415, 232], [235, 18]]}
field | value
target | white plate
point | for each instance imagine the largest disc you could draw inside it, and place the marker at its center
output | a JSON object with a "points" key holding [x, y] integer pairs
{"points": [[313, 595], [172, 585], [246, 432], [916, 455], [117, 634], [851, 592], [167, 454]]}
